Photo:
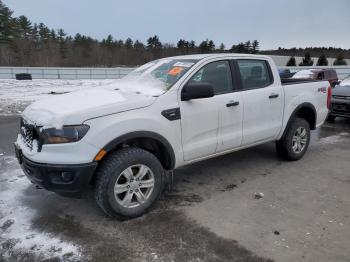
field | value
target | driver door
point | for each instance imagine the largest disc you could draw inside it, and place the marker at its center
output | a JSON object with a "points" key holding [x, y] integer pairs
{"points": [[203, 129]]}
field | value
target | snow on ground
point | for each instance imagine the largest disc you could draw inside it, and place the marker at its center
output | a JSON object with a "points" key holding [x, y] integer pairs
{"points": [[16, 95], [15, 220], [344, 136]]}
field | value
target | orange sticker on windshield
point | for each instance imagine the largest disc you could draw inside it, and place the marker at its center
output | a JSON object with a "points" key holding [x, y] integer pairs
{"points": [[175, 71]]}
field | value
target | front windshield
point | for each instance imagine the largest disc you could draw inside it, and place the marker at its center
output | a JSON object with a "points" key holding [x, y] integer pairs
{"points": [[163, 72]]}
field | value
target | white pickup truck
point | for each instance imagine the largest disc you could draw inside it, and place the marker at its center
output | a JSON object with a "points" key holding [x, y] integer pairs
{"points": [[123, 139]]}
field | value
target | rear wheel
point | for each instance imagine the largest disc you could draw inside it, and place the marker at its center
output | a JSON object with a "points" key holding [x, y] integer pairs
{"points": [[128, 182], [295, 141]]}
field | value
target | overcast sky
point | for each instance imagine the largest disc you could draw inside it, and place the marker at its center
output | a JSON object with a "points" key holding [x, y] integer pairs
{"points": [[285, 23]]}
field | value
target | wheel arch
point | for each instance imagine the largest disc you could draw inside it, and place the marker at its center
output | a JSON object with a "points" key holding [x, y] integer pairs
{"points": [[306, 111], [150, 141]]}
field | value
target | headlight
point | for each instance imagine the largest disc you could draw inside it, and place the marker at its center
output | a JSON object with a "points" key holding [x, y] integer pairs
{"points": [[67, 134]]}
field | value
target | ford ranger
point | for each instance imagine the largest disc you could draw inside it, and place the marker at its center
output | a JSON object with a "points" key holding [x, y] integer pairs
{"points": [[124, 139]]}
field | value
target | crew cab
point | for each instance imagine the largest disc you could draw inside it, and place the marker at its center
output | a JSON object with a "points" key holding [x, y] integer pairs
{"points": [[123, 140]]}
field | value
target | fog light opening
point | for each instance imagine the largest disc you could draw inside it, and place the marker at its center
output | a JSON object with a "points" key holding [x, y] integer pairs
{"points": [[67, 176]]}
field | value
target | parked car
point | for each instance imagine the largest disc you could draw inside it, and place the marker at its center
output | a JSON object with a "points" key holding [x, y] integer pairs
{"points": [[329, 75], [285, 73], [345, 81], [340, 106], [124, 139]]}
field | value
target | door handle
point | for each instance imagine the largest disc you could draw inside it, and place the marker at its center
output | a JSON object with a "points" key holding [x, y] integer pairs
{"points": [[232, 103], [273, 95]]}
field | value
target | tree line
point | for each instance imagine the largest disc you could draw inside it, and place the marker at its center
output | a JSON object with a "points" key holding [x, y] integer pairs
{"points": [[321, 52], [321, 61], [23, 43]]}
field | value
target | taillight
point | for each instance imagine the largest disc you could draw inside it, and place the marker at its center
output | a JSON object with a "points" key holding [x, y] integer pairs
{"points": [[329, 97]]}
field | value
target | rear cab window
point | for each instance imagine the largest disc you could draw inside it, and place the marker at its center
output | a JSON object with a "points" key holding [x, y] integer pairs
{"points": [[254, 73]]}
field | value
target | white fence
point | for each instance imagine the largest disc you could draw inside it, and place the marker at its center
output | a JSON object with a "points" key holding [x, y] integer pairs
{"points": [[65, 72], [111, 73]]}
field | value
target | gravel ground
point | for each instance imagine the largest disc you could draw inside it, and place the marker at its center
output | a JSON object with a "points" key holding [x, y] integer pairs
{"points": [[245, 206]]}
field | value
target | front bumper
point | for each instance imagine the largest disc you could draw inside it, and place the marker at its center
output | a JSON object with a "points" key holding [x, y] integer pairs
{"points": [[340, 108], [67, 179]]}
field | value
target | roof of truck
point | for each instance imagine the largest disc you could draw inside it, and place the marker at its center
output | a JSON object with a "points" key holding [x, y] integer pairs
{"points": [[203, 56]]}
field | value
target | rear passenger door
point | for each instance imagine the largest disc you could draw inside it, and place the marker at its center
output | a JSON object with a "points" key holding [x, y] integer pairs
{"points": [[262, 101]]}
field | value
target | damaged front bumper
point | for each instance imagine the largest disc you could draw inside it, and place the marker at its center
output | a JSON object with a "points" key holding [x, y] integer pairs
{"points": [[69, 180]]}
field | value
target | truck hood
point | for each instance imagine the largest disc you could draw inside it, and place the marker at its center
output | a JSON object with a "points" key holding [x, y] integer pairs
{"points": [[341, 91], [76, 107]]}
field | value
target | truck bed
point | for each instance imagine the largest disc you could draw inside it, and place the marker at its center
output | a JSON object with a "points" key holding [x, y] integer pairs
{"points": [[293, 81]]}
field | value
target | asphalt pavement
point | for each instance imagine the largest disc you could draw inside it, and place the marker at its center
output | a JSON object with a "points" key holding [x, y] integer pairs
{"points": [[244, 206]]}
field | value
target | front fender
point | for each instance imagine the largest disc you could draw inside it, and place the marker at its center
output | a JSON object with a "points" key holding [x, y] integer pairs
{"points": [[108, 131]]}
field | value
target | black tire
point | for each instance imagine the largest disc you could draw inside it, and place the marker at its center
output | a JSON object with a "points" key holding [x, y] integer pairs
{"points": [[284, 147], [331, 118], [108, 173]]}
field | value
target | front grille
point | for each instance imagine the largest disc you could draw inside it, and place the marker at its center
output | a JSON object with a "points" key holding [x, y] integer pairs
{"points": [[27, 132], [341, 108], [341, 97]]}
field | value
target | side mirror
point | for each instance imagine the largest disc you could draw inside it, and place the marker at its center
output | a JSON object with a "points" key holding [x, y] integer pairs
{"points": [[196, 91], [335, 83]]}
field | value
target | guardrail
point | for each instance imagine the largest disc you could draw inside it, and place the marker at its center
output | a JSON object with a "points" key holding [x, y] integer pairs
{"points": [[113, 73], [65, 72]]}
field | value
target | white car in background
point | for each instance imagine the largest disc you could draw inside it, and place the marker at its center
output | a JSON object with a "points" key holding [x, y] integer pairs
{"points": [[345, 81]]}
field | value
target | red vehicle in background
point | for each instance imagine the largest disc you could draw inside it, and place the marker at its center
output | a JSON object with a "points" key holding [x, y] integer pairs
{"points": [[329, 75]]}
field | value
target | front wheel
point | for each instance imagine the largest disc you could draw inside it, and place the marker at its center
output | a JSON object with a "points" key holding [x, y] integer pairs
{"points": [[295, 141], [128, 182]]}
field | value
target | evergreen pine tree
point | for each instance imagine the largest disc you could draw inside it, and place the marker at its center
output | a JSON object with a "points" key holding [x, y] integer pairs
{"points": [[34, 36], [247, 47], [192, 44], [255, 46], [154, 43], [203, 47], [307, 61], [322, 60], [62, 43], [25, 27], [138, 45], [292, 61], [9, 28], [240, 48], [53, 35], [109, 41], [129, 43], [181, 44], [44, 32], [119, 43], [211, 46], [222, 47], [340, 61]]}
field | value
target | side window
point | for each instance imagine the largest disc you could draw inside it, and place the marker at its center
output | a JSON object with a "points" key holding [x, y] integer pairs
{"points": [[321, 76], [218, 74], [254, 73]]}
